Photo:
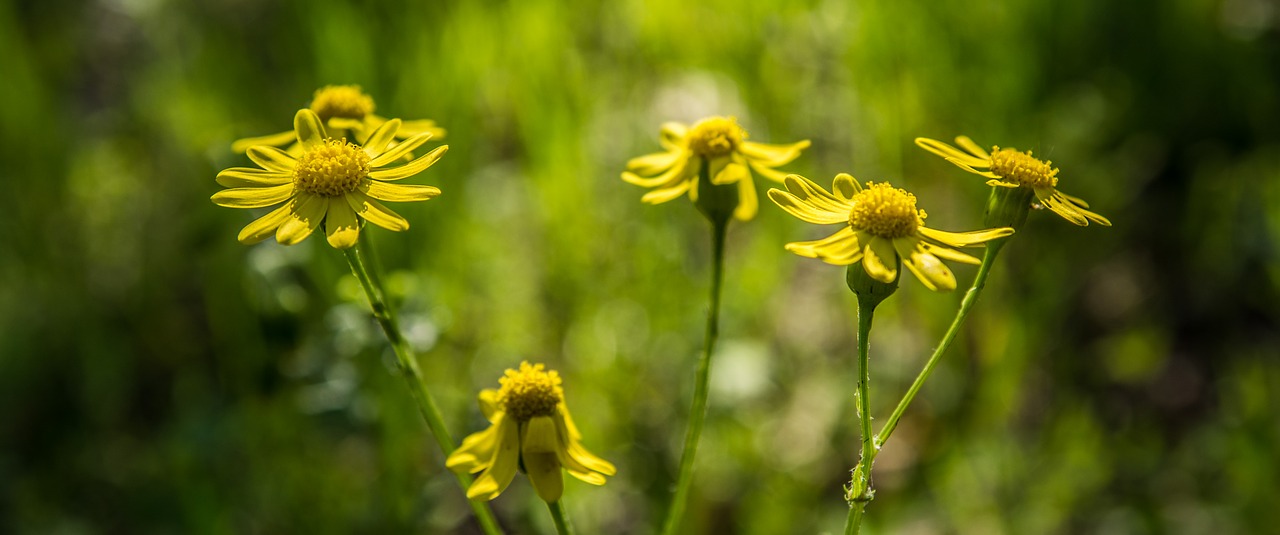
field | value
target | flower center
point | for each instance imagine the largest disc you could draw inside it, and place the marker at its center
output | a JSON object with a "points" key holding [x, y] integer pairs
{"points": [[332, 169], [1023, 168], [530, 392], [341, 101], [885, 211], [715, 136]]}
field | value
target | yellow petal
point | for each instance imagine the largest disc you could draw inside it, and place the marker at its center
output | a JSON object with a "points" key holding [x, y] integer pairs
{"points": [[767, 172], [340, 223], [400, 150], [1074, 200], [773, 155], [239, 177], [401, 192], [264, 227], [672, 135], [501, 465], [376, 144], [1061, 207], [933, 274], [951, 154], [1001, 183], [964, 239], [489, 403], [1080, 206], [306, 124], [652, 164], [805, 211], [947, 253], [730, 173], [253, 197], [748, 203], [545, 475], [813, 194], [475, 452], [973, 148], [305, 218], [661, 195], [845, 187], [272, 159], [338, 124], [680, 171], [540, 435], [570, 437], [412, 168], [374, 212], [816, 248], [971, 169], [276, 140], [420, 126], [879, 260]]}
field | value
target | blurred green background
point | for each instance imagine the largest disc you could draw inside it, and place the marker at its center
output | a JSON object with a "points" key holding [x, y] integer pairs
{"points": [[158, 377]]}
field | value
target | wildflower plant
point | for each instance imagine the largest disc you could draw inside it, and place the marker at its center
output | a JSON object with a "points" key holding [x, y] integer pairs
{"points": [[348, 113], [530, 430], [711, 162]]}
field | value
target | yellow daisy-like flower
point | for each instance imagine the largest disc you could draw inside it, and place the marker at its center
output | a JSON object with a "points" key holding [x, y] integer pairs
{"points": [[347, 112], [1008, 168], [882, 225], [332, 181], [721, 145], [530, 430]]}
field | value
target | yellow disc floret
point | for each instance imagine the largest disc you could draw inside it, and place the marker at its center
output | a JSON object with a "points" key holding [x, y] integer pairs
{"points": [[341, 101], [885, 211], [332, 169], [715, 136], [1023, 169], [530, 392]]}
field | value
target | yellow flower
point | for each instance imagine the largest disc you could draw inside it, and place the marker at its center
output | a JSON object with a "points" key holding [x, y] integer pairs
{"points": [[332, 181], [530, 429], [721, 145], [347, 113], [1008, 168], [882, 225]]}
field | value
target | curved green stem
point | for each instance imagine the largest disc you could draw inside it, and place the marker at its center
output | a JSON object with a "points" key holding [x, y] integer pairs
{"points": [[559, 516], [860, 491], [698, 412], [970, 297], [413, 378]]}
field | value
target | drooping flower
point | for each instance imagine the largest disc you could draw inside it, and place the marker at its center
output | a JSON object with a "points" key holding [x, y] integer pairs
{"points": [[881, 226], [1008, 168], [347, 112], [530, 430], [332, 181], [719, 144]]}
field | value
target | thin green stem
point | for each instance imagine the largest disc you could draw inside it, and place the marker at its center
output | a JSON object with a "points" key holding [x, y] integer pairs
{"points": [[413, 378], [561, 518], [698, 412], [860, 490], [970, 297]]}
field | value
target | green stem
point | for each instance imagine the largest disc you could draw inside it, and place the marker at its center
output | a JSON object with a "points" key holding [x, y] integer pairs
{"points": [[698, 412], [860, 489], [970, 297], [560, 518], [413, 378]]}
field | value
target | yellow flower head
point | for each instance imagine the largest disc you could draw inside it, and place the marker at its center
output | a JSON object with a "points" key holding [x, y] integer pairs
{"points": [[347, 112], [882, 226], [530, 430], [332, 181], [1008, 168], [718, 143]]}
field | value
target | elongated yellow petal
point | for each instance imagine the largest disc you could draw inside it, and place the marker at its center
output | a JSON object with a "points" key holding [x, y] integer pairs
{"points": [[475, 452], [401, 192], [569, 436], [240, 177], [253, 197], [501, 465], [770, 155], [374, 212], [964, 239], [305, 218], [538, 451], [767, 172], [1062, 207], [1080, 206], [951, 154], [489, 404], [973, 148], [338, 124], [947, 253], [813, 194], [933, 274], [973, 170], [880, 260], [1001, 183], [731, 173], [661, 195], [845, 187], [340, 223], [680, 171], [272, 159], [811, 249], [376, 144], [672, 135], [652, 164], [421, 126], [1074, 200], [264, 227], [400, 150], [275, 140], [805, 211], [412, 168], [310, 130], [748, 203]]}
